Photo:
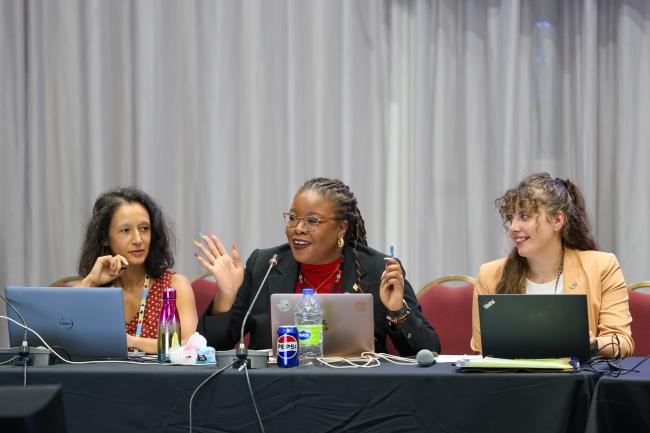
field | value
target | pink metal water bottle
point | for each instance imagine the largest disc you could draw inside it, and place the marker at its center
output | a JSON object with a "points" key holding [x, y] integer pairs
{"points": [[169, 326]]}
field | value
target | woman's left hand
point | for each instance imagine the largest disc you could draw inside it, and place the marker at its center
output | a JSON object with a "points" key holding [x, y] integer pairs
{"points": [[391, 290]]}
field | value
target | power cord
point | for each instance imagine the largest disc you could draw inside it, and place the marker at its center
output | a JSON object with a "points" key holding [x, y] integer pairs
{"points": [[216, 373], [366, 360], [250, 390], [8, 361], [611, 367], [55, 353]]}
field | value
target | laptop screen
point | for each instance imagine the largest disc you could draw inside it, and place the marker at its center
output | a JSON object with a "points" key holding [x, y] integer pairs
{"points": [[348, 328], [87, 323], [534, 326]]}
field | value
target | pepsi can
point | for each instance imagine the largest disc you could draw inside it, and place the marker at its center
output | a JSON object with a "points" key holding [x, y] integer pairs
{"points": [[287, 347]]}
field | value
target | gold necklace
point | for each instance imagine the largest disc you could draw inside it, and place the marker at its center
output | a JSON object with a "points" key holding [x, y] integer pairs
{"points": [[302, 277]]}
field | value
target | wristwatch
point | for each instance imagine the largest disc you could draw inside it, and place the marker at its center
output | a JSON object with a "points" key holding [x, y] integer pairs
{"points": [[396, 318]]}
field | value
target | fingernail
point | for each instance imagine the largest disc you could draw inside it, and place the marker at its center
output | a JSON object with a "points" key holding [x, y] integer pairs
{"points": [[197, 243], [201, 235], [196, 255], [211, 233]]}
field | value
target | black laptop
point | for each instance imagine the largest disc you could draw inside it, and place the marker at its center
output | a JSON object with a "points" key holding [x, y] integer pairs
{"points": [[534, 326]]}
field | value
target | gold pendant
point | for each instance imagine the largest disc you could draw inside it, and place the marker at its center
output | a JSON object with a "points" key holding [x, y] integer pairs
{"points": [[355, 287]]}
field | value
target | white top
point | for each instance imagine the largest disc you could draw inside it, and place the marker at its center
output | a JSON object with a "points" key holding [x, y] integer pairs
{"points": [[545, 288]]}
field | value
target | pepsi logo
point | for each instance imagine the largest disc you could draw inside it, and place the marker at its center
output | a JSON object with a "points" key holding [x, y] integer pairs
{"points": [[287, 346]]}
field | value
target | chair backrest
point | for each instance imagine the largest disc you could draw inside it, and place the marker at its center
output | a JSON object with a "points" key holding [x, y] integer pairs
{"points": [[66, 281], [449, 310], [640, 311], [204, 288], [641, 286]]}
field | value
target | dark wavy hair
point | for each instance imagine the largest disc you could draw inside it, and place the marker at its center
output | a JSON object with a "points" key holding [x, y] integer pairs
{"points": [[345, 205], [160, 256], [553, 195]]}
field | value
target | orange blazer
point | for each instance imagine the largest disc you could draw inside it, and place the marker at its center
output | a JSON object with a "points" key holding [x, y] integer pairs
{"points": [[594, 273]]}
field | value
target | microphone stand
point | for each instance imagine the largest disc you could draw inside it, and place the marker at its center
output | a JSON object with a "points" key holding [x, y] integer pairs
{"points": [[241, 355]]}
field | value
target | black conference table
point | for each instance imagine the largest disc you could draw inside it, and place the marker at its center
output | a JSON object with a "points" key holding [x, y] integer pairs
{"points": [[390, 398], [622, 404]]}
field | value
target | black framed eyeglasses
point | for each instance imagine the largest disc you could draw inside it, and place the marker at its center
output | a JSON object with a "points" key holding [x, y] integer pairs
{"points": [[311, 221]]}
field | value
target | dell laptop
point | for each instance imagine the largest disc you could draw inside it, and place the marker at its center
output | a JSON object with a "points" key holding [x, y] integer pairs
{"points": [[84, 323]]}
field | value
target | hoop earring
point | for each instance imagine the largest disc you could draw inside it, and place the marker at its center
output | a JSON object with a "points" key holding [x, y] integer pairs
{"points": [[340, 242]]}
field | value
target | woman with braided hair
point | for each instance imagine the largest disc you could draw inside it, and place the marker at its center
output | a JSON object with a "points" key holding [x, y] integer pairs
{"points": [[555, 253], [327, 250]]}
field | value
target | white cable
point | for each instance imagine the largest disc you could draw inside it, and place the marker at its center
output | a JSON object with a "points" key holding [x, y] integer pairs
{"points": [[367, 360], [394, 359], [104, 361], [9, 360]]}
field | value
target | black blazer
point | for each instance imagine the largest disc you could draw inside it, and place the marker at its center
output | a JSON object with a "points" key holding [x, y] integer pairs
{"points": [[222, 330]]}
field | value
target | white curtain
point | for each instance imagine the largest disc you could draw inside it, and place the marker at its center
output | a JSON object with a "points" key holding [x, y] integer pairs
{"points": [[221, 109]]}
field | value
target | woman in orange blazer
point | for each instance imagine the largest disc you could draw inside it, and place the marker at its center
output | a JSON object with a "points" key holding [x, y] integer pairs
{"points": [[554, 252]]}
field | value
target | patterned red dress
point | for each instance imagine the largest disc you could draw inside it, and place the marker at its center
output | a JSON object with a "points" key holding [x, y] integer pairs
{"points": [[152, 308]]}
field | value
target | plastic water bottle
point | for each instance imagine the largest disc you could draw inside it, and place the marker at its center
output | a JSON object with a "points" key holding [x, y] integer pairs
{"points": [[309, 321], [169, 326]]}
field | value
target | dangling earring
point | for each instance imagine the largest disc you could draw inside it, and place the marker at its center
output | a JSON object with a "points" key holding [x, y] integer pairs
{"points": [[340, 242]]}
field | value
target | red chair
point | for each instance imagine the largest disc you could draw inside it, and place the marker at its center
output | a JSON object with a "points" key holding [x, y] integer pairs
{"points": [[66, 281], [204, 289], [640, 311], [449, 310]]}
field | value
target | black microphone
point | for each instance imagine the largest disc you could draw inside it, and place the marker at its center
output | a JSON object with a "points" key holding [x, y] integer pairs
{"points": [[242, 351], [19, 315], [426, 358], [23, 350]]}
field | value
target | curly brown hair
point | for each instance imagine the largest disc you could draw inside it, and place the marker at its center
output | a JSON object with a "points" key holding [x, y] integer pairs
{"points": [[535, 192], [160, 256]]}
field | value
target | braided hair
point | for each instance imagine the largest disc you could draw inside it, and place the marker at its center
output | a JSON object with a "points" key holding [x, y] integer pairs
{"points": [[554, 195], [345, 204]]}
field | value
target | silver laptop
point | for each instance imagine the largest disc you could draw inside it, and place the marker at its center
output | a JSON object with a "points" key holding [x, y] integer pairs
{"points": [[87, 323], [534, 326], [348, 321]]}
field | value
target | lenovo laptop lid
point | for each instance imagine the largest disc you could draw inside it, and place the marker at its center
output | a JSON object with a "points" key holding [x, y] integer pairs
{"points": [[348, 328], [534, 326], [87, 323]]}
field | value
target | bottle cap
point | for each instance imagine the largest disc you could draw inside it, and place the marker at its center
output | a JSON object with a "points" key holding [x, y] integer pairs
{"points": [[169, 293], [307, 291]]}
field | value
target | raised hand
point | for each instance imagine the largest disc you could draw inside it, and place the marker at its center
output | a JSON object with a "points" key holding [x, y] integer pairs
{"points": [[391, 290], [227, 270]]}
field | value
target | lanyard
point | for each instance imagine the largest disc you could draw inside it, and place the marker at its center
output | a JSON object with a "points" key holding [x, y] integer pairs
{"points": [[143, 303]]}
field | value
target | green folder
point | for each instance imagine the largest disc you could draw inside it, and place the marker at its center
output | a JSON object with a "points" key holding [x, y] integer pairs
{"points": [[558, 364]]}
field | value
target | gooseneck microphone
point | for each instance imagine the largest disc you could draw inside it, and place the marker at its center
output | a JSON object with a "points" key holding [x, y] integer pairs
{"points": [[242, 351], [426, 358], [19, 315], [23, 351]]}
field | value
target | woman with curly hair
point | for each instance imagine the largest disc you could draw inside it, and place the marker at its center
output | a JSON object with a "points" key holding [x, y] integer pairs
{"points": [[554, 253], [129, 245]]}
